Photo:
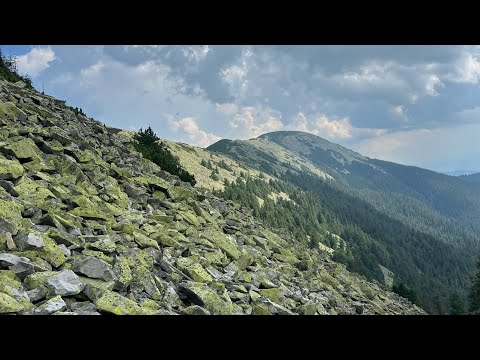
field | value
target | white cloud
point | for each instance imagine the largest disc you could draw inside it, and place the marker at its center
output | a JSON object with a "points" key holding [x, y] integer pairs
{"points": [[227, 109], [426, 147], [35, 61], [398, 110], [253, 122], [432, 82], [333, 129], [196, 53], [372, 76], [340, 129], [467, 70], [323, 126], [301, 124], [235, 76], [190, 128]]}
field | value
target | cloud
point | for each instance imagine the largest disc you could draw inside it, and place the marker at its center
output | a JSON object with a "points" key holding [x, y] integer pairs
{"points": [[196, 53], [348, 94], [398, 110], [323, 126], [341, 128], [227, 108], [235, 75], [432, 82], [252, 122], [35, 61], [467, 70], [438, 148], [189, 127]]}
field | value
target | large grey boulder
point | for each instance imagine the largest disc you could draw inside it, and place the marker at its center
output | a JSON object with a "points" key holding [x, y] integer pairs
{"points": [[65, 283], [94, 268]]}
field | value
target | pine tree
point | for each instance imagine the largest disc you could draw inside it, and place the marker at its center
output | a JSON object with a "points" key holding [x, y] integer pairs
{"points": [[149, 144], [474, 296], [456, 305]]}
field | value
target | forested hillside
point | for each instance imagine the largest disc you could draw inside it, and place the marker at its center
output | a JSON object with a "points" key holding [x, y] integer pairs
{"points": [[419, 224]]}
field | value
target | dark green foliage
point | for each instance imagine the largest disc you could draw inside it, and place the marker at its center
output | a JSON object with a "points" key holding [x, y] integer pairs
{"points": [[207, 164], [405, 291], [474, 295], [8, 71], [456, 305], [315, 239], [225, 166], [78, 111], [427, 265], [149, 144], [214, 175]]}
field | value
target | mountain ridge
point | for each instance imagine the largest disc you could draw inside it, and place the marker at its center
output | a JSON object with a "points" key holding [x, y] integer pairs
{"points": [[88, 226], [434, 204]]}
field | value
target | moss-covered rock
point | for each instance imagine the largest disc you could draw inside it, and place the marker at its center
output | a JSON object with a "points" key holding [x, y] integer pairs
{"points": [[22, 148], [89, 213], [223, 242], [113, 303], [104, 245], [122, 272], [10, 216], [144, 241], [10, 169], [273, 294], [194, 270], [9, 305], [202, 295]]}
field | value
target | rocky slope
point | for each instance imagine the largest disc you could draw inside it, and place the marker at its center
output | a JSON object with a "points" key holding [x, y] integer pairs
{"points": [[87, 226]]}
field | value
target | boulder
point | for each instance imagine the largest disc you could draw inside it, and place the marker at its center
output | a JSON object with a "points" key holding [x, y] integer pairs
{"points": [[93, 268], [65, 283]]}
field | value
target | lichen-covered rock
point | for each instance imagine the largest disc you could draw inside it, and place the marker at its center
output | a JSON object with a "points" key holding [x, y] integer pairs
{"points": [[10, 170], [221, 240], [113, 303], [123, 273], [50, 306], [104, 245], [9, 304], [194, 310], [21, 148], [204, 296], [144, 241], [10, 216], [194, 270]]}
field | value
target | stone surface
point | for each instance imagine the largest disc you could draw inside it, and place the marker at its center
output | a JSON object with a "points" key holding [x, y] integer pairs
{"points": [[94, 268], [50, 306], [65, 283]]}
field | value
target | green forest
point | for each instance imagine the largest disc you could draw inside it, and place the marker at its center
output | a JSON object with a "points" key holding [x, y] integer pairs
{"points": [[427, 270]]}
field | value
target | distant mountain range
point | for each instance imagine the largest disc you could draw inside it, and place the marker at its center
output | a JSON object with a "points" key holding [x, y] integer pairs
{"points": [[474, 178], [460, 172], [420, 224]]}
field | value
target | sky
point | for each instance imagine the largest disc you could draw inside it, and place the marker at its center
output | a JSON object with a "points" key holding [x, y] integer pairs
{"points": [[416, 105]]}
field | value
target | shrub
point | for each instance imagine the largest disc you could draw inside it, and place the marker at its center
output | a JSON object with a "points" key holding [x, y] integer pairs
{"points": [[149, 144]]}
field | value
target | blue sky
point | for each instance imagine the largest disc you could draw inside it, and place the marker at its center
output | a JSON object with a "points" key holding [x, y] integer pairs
{"points": [[417, 105]]}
